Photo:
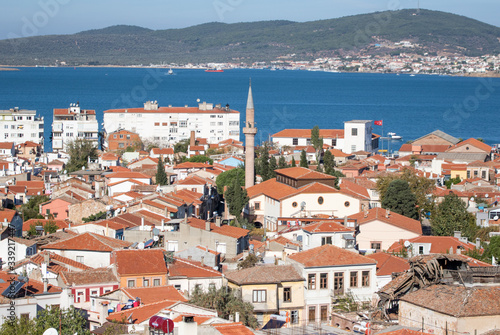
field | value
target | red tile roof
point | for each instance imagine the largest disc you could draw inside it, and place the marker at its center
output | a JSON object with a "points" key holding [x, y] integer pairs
{"points": [[153, 294], [6, 145], [127, 175], [141, 313], [306, 133], [405, 332], [394, 219], [326, 227], [301, 173], [198, 319], [439, 244], [192, 165], [190, 269], [471, 141], [164, 151], [264, 274], [61, 224], [89, 277], [139, 262], [8, 214], [355, 188], [231, 231], [329, 255], [388, 264], [88, 242], [33, 287], [235, 328]]}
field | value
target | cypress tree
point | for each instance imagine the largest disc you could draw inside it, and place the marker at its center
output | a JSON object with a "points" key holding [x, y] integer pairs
{"points": [[293, 162], [303, 159], [272, 166], [161, 175], [282, 163]]}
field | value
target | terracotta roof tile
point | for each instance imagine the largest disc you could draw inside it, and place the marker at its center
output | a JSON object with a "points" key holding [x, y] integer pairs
{"points": [[449, 300], [327, 227], [236, 328], [230, 231], [394, 219], [61, 224], [473, 142], [138, 262], [141, 313], [127, 175], [192, 165], [329, 255], [88, 242], [265, 274], [198, 319], [301, 173], [93, 276], [190, 269], [306, 133], [439, 244], [388, 264], [153, 294]]}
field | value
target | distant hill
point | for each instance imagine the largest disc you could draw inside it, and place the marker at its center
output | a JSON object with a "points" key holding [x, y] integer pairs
{"points": [[432, 31]]}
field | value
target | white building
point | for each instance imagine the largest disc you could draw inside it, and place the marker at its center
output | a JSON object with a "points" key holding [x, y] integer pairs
{"points": [[21, 125], [169, 125], [358, 136], [73, 123]]}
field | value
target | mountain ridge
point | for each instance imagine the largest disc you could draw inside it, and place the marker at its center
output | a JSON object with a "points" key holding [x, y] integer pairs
{"points": [[431, 31]]}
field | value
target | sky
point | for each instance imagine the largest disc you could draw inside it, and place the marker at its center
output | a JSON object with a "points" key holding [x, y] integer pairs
{"points": [[24, 18]]}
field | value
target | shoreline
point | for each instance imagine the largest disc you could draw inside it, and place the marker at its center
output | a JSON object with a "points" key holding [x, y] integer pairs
{"points": [[16, 68]]}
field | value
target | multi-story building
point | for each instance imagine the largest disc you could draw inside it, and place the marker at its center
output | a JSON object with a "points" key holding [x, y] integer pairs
{"points": [[21, 125], [73, 123], [169, 125]]}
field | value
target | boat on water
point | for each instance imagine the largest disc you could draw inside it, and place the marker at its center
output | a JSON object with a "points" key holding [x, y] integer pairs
{"points": [[214, 70], [394, 136], [170, 72]]}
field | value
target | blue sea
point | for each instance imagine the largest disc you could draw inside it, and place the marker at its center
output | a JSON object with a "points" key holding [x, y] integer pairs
{"points": [[410, 106]]}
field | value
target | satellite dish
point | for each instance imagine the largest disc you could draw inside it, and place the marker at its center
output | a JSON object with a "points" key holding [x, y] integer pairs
{"points": [[50, 331], [495, 218], [303, 205], [407, 244], [155, 238], [486, 195], [198, 100]]}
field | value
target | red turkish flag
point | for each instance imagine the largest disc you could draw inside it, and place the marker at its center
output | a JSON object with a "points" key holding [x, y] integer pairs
{"points": [[378, 122]]}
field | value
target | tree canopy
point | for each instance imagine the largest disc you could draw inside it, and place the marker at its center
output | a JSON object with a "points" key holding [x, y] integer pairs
{"points": [[400, 199], [226, 302], [236, 198], [317, 142], [80, 151], [201, 159], [226, 178], [161, 176], [420, 186], [303, 159], [31, 209], [282, 163], [451, 215]]}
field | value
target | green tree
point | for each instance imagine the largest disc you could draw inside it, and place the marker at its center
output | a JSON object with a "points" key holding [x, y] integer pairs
{"points": [[236, 198], [248, 262], [293, 162], [50, 227], [263, 166], [70, 320], [329, 162], [492, 249], [32, 231], [452, 181], [181, 146], [226, 302], [226, 178], [317, 142], [95, 217], [400, 199], [273, 165], [161, 176], [31, 209], [80, 151], [451, 215], [201, 159], [282, 163], [303, 159], [420, 186]]}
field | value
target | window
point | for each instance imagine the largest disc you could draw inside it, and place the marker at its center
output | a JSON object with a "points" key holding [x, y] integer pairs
{"points": [[131, 283], [468, 174], [79, 259], [145, 282], [94, 293], [25, 316], [121, 135], [157, 124], [164, 124], [183, 124], [338, 283], [177, 287], [259, 295], [365, 278], [257, 205], [483, 174], [294, 204], [156, 282], [376, 246], [128, 137], [324, 313], [326, 240], [353, 148], [311, 281], [354, 131], [320, 200], [347, 204], [211, 286], [323, 280], [475, 173], [294, 317], [334, 142], [354, 279], [287, 294], [295, 141], [121, 145], [420, 249], [220, 123], [114, 136]]}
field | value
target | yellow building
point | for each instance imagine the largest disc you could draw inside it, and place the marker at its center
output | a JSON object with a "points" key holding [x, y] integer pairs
{"points": [[275, 291]]}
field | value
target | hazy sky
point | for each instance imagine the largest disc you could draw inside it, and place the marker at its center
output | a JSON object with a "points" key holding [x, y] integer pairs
{"points": [[21, 18]]}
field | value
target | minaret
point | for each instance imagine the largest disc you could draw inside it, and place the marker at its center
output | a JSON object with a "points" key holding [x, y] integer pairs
{"points": [[249, 130]]}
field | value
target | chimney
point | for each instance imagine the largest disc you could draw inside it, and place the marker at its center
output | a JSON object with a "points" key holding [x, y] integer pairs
{"points": [[345, 221], [202, 260], [45, 285], [457, 234], [142, 223], [237, 317], [478, 243], [218, 221], [162, 225], [387, 213], [207, 225], [192, 141]]}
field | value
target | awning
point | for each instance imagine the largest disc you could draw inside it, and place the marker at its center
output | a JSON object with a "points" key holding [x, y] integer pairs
{"points": [[348, 237], [148, 244]]}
